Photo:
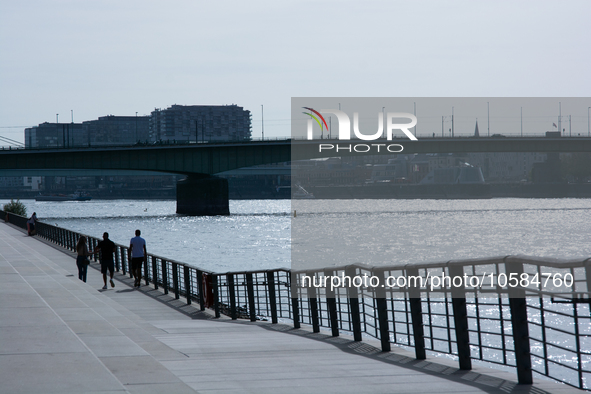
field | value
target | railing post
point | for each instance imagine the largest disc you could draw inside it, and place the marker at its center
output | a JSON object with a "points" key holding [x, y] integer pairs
{"points": [[232, 296], [416, 313], [331, 303], [518, 307], [200, 289], [187, 275], [216, 295], [460, 311], [250, 293], [295, 302], [295, 305], [117, 261], [129, 267], [382, 308], [123, 257], [313, 302], [272, 296], [145, 264], [164, 276], [353, 296], [154, 272], [94, 243], [175, 280]]}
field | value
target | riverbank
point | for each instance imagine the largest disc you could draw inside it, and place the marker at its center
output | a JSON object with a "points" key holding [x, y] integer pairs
{"points": [[98, 194], [383, 190]]}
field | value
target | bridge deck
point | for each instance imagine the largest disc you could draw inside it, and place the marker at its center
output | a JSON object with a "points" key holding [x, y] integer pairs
{"points": [[60, 335]]}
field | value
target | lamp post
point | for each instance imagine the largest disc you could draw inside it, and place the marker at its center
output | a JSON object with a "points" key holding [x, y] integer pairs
{"points": [[262, 124], [452, 122], [415, 114], [488, 118], [588, 129], [136, 126], [384, 119], [560, 117]]}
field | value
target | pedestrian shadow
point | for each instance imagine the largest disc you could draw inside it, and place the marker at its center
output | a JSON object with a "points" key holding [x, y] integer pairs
{"points": [[125, 291]]}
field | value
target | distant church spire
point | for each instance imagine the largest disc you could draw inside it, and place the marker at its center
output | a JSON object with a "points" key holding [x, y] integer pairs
{"points": [[476, 133]]}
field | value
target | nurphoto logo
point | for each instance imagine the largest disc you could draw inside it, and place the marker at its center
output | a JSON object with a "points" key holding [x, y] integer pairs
{"points": [[344, 131]]}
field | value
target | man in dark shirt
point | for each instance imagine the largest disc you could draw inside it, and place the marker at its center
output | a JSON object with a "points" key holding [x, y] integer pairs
{"points": [[107, 248]]}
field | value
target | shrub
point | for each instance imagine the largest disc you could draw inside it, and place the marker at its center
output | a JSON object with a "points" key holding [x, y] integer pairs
{"points": [[16, 207]]}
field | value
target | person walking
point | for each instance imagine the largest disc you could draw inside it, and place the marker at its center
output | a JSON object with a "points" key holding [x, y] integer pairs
{"points": [[137, 256], [31, 224], [82, 259], [107, 248]]}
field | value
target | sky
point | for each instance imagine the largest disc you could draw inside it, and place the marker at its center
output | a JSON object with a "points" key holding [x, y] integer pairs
{"points": [[94, 58]]}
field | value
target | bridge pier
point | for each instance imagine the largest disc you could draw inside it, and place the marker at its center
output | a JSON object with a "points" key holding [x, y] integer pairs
{"points": [[202, 196]]}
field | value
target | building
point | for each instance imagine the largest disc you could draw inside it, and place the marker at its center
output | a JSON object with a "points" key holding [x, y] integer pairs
{"points": [[501, 167], [33, 182], [117, 130], [193, 123], [56, 135], [11, 182]]}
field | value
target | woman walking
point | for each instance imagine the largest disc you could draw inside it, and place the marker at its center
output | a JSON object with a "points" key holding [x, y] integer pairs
{"points": [[82, 259]]}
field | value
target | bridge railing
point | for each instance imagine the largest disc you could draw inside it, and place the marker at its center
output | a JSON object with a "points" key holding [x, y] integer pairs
{"points": [[533, 328]]}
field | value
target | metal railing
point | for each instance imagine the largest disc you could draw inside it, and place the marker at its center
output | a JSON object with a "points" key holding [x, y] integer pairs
{"points": [[543, 330]]}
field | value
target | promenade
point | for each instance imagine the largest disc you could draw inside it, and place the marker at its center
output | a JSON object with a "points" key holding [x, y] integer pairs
{"points": [[60, 335]]}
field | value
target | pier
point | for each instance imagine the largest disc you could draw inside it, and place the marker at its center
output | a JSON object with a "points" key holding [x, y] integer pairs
{"points": [[59, 334]]}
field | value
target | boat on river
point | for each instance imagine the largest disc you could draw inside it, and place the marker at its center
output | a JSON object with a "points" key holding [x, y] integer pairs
{"points": [[78, 196]]}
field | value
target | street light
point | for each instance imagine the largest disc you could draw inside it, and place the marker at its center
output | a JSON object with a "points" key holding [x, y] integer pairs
{"points": [[262, 124], [488, 118], [452, 122], [588, 129], [415, 114], [384, 118]]}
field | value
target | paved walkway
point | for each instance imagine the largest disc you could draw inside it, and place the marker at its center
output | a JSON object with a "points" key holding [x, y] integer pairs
{"points": [[60, 335]]}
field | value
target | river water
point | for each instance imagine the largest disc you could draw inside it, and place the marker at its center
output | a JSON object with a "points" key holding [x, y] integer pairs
{"points": [[258, 233]]}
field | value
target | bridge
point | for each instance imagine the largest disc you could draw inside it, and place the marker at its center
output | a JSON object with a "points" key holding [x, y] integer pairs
{"points": [[204, 194]]}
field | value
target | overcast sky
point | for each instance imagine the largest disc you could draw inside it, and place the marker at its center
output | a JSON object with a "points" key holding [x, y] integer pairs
{"points": [[101, 57]]}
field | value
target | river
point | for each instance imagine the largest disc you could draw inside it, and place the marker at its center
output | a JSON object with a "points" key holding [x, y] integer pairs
{"points": [[258, 233]]}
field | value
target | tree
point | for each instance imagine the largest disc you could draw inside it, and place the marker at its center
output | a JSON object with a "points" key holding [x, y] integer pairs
{"points": [[16, 207]]}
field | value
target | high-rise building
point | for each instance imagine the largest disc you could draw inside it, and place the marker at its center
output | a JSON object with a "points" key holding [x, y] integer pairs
{"points": [[201, 123], [117, 130]]}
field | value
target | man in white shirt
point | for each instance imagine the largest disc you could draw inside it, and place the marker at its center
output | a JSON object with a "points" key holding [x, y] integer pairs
{"points": [[137, 256]]}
